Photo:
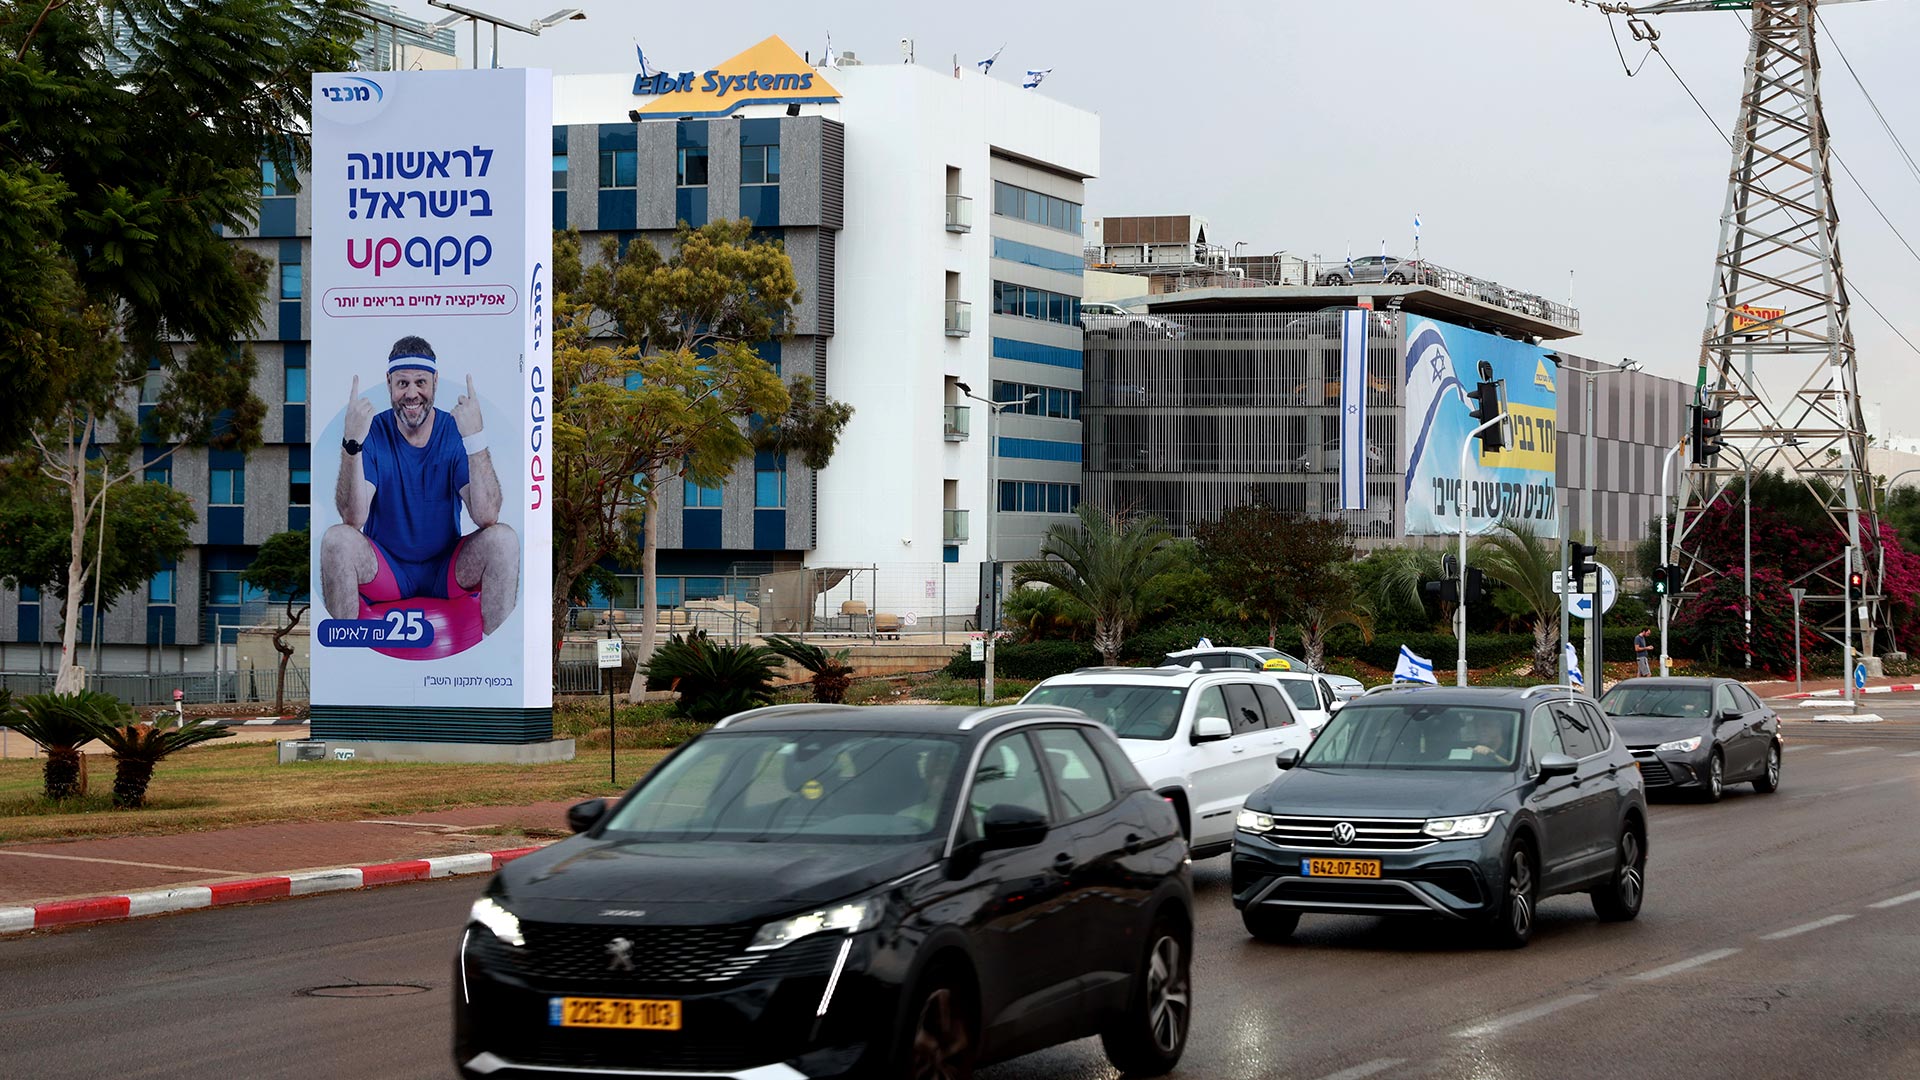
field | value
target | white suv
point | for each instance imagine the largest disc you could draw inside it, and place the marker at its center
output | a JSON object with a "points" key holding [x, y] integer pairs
{"points": [[1097, 317], [1204, 739]]}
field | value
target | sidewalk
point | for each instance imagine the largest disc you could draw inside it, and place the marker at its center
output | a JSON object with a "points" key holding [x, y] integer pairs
{"points": [[1831, 687], [40, 872]]}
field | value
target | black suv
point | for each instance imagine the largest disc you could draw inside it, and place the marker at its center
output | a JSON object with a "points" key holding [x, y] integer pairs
{"points": [[818, 890], [1469, 803]]}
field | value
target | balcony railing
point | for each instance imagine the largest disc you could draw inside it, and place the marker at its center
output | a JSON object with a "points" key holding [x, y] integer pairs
{"points": [[959, 423], [959, 213], [953, 526], [959, 318]]}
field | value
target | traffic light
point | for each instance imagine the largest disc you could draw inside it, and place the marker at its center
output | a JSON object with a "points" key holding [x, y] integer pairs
{"points": [[1856, 586], [1580, 564], [1490, 401], [1705, 444], [1477, 590], [1668, 580], [1447, 589]]}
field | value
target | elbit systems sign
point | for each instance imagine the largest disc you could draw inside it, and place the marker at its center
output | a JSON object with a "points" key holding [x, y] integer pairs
{"points": [[770, 73]]}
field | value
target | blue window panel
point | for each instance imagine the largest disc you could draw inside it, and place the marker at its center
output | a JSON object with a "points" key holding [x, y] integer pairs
{"points": [[689, 133], [290, 281], [226, 524], [276, 217], [27, 621], [296, 385], [950, 553], [761, 132], [294, 354], [1045, 258], [299, 517], [770, 488], [560, 210], [618, 209], [612, 137], [694, 495], [769, 530], [560, 139], [269, 179], [161, 625], [700, 530], [160, 587], [29, 594], [760, 204], [289, 321], [293, 419], [668, 593], [226, 459], [690, 205], [1040, 449], [770, 352], [1035, 353]]}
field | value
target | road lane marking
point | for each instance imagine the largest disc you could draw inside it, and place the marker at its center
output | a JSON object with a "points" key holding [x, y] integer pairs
{"points": [[1502, 1023], [1684, 965], [1360, 1072], [1797, 746], [1896, 901], [119, 862], [1855, 750], [1804, 927], [1910, 753], [1854, 787]]}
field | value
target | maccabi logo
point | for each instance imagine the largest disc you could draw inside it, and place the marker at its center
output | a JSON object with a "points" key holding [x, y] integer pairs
{"points": [[361, 90]]}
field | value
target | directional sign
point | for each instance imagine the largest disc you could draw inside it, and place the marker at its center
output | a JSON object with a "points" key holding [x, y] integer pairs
{"points": [[1860, 676], [609, 651], [1581, 604]]}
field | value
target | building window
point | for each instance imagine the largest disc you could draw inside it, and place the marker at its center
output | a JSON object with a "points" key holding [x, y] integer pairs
{"points": [[758, 164], [299, 486], [269, 179], [560, 172], [29, 594], [1040, 449], [1031, 206], [151, 385], [619, 168], [161, 473], [1051, 401], [296, 386], [225, 587], [160, 587], [227, 487], [1027, 302], [1045, 258], [770, 488], [696, 495], [692, 168], [289, 281], [1038, 497]]}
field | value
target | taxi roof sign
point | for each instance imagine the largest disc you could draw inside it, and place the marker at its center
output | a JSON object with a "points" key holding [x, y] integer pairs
{"points": [[769, 73]]}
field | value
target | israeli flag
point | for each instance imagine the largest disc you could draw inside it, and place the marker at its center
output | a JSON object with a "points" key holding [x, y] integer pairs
{"points": [[1416, 226], [1349, 260], [1205, 643], [986, 66], [645, 71], [1353, 409], [1034, 78], [1574, 678], [1414, 668]]}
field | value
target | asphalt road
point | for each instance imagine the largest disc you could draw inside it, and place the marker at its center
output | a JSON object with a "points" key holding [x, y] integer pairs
{"points": [[1780, 938]]}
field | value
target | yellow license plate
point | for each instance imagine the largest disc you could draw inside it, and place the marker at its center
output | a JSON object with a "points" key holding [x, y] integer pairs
{"points": [[1365, 868], [623, 1013]]}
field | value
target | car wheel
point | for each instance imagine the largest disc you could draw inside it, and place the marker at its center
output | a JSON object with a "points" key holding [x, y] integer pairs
{"points": [[1512, 925], [1269, 924], [1716, 785], [1768, 781], [1148, 1039], [940, 1042], [1619, 899], [1396, 279]]}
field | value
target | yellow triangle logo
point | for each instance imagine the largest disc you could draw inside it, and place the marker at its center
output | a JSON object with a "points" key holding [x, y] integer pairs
{"points": [[1542, 378], [769, 73]]}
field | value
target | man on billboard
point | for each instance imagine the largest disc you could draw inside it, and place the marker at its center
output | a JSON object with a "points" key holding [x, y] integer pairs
{"points": [[405, 475]]}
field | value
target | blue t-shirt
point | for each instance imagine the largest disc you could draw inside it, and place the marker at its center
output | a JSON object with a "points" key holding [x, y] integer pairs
{"points": [[416, 501]]}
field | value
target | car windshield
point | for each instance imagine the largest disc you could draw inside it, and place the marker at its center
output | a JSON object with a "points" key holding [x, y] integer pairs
{"points": [[1293, 662], [1133, 711], [813, 786], [1301, 693], [1407, 735], [1674, 702]]}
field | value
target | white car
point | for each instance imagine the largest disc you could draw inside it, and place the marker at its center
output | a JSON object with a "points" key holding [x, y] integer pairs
{"points": [[1099, 317], [1256, 658], [1204, 739], [1311, 696]]}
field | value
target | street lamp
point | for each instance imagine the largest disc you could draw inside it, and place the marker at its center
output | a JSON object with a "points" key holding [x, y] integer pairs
{"points": [[989, 606], [478, 17], [1594, 653]]}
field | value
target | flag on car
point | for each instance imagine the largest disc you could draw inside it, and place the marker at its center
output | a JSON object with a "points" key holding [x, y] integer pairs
{"points": [[1034, 77], [1414, 668], [1205, 643], [986, 66], [1574, 678]]}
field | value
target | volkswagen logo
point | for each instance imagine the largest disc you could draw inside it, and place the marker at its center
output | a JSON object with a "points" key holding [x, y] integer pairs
{"points": [[1343, 833], [619, 955]]}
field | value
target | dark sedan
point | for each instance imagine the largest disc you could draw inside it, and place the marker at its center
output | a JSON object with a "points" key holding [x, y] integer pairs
{"points": [[829, 891], [1697, 735]]}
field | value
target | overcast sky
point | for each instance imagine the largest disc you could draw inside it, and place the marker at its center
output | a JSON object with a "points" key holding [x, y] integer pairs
{"points": [[1309, 125]]}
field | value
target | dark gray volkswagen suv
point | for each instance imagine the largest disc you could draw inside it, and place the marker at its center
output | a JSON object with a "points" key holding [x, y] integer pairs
{"points": [[1474, 804]]}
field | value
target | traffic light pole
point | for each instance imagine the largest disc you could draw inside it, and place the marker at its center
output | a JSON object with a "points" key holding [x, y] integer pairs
{"points": [[1666, 557], [1460, 609]]}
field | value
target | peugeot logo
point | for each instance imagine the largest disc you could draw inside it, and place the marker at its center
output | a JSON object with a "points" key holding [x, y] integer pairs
{"points": [[620, 955], [1343, 833]]}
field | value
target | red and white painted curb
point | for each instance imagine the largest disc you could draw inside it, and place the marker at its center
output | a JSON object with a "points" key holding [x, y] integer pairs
{"points": [[305, 883], [1896, 688]]}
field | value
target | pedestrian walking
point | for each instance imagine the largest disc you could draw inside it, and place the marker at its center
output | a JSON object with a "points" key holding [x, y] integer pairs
{"points": [[1642, 650]]}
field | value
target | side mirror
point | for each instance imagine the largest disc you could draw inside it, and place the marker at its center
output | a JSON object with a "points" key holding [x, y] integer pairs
{"points": [[1288, 758], [1211, 728], [1009, 826], [1728, 716], [1335, 706], [584, 816], [1553, 765]]}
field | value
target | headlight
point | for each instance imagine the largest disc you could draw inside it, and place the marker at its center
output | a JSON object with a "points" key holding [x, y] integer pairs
{"points": [[1461, 828], [1248, 821], [1682, 746], [844, 918], [504, 924]]}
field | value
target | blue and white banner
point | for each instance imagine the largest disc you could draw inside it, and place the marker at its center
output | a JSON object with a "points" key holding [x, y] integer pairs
{"points": [[1414, 668], [1574, 678], [1353, 408]]}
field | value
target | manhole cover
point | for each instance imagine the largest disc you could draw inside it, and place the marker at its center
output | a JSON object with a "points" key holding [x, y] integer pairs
{"points": [[365, 990]]}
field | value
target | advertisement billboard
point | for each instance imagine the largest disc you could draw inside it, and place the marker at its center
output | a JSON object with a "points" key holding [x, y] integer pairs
{"points": [[1442, 363], [432, 535]]}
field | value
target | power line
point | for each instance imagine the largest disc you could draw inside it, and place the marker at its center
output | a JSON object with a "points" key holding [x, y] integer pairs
{"points": [[1912, 167]]}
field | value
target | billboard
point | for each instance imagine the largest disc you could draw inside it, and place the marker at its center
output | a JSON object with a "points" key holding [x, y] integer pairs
{"points": [[432, 535], [1443, 362]]}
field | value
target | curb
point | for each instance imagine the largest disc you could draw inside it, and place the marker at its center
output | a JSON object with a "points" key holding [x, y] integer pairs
{"points": [[15, 920], [1895, 688]]}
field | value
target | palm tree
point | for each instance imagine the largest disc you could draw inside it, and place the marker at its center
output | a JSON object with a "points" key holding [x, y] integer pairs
{"points": [[1335, 603], [61, 724], [831, 672], [1398, 577], [1111, 563], [137, 748], [1517, 556]]}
